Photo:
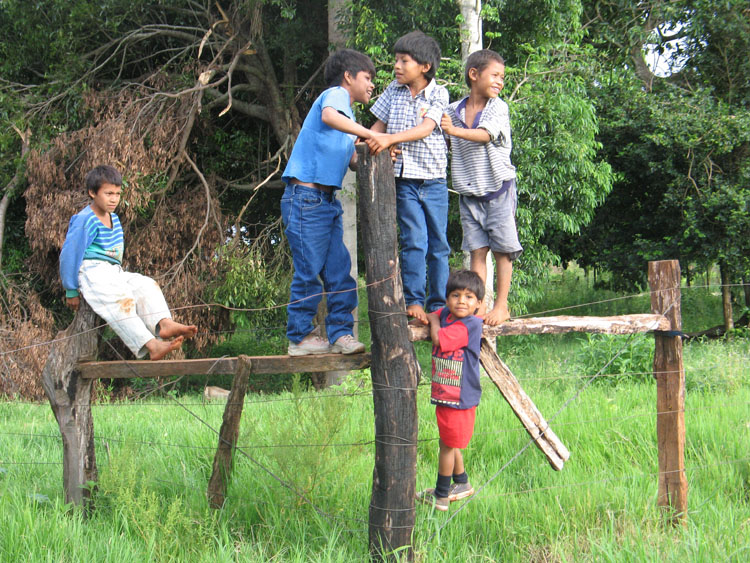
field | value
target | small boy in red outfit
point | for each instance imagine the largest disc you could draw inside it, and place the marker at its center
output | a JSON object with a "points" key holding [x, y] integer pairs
{"points": [[456, 333]]}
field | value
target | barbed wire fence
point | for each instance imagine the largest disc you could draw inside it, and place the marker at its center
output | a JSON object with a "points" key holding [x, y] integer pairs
{"points": [[244, 450]]}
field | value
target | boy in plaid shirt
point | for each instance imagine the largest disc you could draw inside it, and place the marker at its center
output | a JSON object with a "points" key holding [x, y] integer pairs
{"points": [[409, 112]]}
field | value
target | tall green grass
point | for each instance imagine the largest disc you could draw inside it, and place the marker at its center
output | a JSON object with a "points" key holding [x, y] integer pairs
{"points": [[300, 490]]}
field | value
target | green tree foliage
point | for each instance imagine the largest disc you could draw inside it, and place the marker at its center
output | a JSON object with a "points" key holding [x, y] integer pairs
{"points": [[679, 144], [561, 176]]}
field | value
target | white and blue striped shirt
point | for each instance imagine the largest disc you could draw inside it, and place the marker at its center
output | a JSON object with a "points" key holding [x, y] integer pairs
{"points": [[478, 169], [88, 239]]}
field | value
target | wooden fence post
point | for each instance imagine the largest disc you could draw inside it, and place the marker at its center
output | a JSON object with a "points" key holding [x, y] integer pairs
{"points": [[394, 364], [664, 281], [228, 435], [70, 398]]}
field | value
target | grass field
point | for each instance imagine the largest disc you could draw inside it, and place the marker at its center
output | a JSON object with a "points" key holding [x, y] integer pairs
{"points": [[301, 490]]}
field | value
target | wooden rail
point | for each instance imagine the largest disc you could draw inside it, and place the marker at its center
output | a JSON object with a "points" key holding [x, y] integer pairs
{"points": [[215, 366], [621, 324], [126, 369]]}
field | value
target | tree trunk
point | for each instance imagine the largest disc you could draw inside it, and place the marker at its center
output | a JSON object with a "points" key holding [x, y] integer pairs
{"points": [[10, 190], [348, 193], [70, 398], [470, 26], [726, 296]]}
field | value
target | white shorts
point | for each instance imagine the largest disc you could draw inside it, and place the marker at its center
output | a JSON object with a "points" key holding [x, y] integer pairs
{"points": [[132, 304]]}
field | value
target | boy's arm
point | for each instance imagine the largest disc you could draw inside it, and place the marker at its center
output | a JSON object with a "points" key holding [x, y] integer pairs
{"points": [[434, 321], [71, 256], [414, 134], [379, 127], [336, 120], [478, 135]]}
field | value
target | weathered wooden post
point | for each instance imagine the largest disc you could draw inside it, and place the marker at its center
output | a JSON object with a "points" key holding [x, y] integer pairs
{"points": [[394, 364], [664, 281], [70, 398], [228, 435]]}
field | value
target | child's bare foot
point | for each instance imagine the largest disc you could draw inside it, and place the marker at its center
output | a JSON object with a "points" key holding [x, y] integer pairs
{"points": [[498, 315], [168, 328], [157, 349], [417, 312]]}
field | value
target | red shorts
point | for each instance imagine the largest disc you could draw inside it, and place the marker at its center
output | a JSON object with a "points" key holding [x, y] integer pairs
{"points": [[455, 425]]}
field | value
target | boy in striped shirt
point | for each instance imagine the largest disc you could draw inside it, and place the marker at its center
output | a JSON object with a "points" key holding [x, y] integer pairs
{"points": [[90, 265], [479, 129]]}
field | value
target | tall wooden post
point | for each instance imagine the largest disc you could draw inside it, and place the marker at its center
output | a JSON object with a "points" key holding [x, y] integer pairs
{"points": [[394, 364], [664, 281], [70, 398]]}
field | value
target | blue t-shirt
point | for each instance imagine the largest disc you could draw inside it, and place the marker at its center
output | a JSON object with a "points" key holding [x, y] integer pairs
{"points": [[321, 154]]}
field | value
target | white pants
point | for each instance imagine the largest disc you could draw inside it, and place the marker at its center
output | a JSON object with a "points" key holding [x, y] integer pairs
{"points": [[132, 304]]}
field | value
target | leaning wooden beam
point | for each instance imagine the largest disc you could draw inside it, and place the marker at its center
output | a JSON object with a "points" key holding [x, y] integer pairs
{"points": [[211, 366], [523, 407], [622, 324], [230, 431], [70, 399]]}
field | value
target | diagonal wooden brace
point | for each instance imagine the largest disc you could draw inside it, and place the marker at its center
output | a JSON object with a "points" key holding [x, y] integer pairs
{"points": [[228, 435], [523, 407]]}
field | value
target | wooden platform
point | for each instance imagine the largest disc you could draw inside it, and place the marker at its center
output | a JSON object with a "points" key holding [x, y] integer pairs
{"points": [[214, 366], [623, 324]]}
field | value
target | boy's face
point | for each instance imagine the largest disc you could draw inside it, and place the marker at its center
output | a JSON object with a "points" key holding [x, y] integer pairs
{"points": [[106, 199], [360, 87], [462, 303], [407, 70], [490, 81]]}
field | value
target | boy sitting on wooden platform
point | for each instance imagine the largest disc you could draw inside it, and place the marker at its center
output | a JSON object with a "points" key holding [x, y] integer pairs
{"points": [[90, 265]]}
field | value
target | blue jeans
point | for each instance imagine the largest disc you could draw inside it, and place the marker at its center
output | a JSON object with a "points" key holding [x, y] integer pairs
{"points": [[313, 227], [422, 212]]}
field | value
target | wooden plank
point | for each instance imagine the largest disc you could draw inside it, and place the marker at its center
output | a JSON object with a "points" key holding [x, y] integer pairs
{"points": [[523, 407], [664, 281], [230, 431], [395, 371], [622, 324], [70, 399], [211, 366]]}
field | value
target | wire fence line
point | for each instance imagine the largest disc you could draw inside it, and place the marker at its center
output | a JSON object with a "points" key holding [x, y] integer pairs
{"points": [[367, 442], [282, 305]]}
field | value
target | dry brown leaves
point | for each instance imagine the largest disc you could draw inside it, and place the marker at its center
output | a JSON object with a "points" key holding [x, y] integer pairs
{"points": [[140, 133]]}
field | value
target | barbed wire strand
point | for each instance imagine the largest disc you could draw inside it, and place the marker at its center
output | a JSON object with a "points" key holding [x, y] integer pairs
{"points": [[359, 287]]}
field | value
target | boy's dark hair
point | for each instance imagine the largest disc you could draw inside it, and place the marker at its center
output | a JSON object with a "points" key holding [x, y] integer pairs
{"points": [[422, 48], [346, 60], [102, 174], [465, 279], [479, 60]]}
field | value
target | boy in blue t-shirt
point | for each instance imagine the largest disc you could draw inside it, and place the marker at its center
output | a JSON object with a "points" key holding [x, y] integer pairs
{"points": [[90, 265], [410, 110], [312, 215]]}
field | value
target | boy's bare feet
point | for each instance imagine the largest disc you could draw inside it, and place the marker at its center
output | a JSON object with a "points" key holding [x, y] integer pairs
{"points": [[168, 328], [498, 315], [418, 314], [157, 349]]}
